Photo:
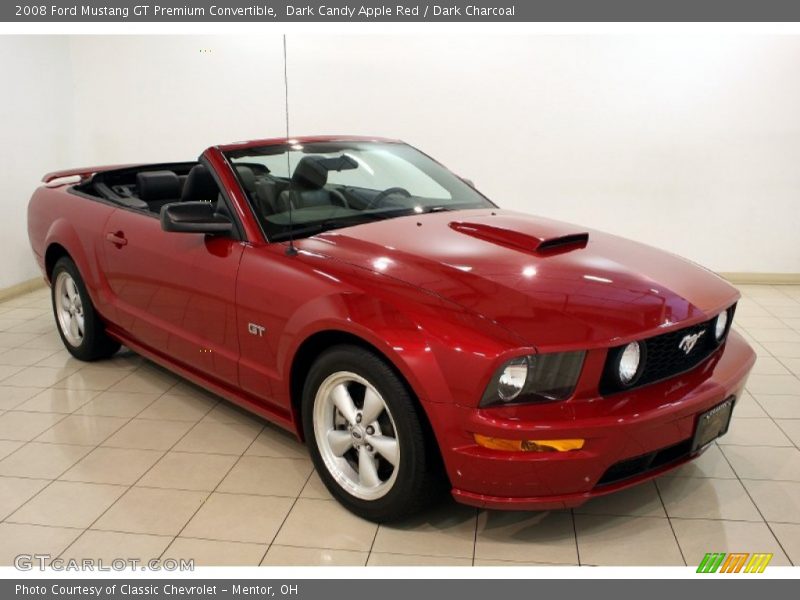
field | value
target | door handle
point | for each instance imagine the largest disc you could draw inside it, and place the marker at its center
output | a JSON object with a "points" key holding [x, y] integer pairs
{"points": [[117, 238]]}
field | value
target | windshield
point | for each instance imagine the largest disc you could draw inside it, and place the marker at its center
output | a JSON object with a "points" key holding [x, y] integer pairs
{"points": [[329, 185]]}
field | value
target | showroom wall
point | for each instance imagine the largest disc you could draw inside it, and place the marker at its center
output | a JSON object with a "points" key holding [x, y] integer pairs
{"points": [[36, 126], [691, 144], [170, 97]]}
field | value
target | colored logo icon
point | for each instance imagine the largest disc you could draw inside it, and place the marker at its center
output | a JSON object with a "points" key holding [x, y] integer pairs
{"points": [[735, 562]]}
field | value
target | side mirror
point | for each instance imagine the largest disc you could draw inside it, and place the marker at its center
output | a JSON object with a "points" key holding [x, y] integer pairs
{"points": [[194, 217]]}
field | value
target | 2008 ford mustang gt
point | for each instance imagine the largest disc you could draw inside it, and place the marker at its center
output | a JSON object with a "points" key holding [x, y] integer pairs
{"points": [[356, 292]]}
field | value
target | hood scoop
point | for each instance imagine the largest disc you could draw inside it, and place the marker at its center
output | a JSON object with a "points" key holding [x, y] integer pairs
{"points": [[544, 246]]}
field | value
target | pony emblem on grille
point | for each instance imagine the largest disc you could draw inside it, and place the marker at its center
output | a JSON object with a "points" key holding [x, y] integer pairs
{"points": [[690, 341]]}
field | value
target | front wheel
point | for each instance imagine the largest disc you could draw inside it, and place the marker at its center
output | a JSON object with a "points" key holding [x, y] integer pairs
{"points": [[79, 326], [365, 436]]}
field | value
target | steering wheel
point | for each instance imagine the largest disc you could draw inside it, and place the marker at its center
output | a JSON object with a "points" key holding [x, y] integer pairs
{"points": [[340, 197], [377, 200]]}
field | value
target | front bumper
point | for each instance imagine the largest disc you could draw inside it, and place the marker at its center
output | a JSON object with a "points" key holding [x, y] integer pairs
{"points": [[655, 421]]}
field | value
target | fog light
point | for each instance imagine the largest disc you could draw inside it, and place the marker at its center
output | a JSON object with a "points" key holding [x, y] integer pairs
{"points": [[528, 445], [721, 325]]}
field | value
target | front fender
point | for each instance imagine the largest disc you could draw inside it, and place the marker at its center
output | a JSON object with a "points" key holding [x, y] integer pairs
{"points": [[445, 353]]}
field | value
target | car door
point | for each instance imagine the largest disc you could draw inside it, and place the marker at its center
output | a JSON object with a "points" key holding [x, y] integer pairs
{"points": [[175, 292]]}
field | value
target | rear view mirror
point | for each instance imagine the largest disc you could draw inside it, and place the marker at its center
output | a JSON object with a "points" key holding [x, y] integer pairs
{"points": [[469, 182], [194, 217]]}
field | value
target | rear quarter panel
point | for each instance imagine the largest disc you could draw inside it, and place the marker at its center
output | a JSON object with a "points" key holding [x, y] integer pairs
{"points": [[75, 222]]}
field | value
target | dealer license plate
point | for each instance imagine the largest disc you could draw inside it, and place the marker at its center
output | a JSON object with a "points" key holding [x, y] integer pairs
{"points": [[713, 424]]}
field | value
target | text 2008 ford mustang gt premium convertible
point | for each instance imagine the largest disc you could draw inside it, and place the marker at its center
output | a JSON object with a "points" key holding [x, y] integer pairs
{"points": [[356, 292]]}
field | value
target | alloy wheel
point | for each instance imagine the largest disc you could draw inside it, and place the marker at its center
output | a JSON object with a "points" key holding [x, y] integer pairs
{"points": [[356, 435], [69, 309]]}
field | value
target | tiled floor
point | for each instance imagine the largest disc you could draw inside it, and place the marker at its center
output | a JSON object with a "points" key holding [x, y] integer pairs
{"points": [[122, 459]]}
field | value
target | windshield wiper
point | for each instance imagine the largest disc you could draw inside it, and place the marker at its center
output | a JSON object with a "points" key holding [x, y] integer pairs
{"points": [[327, 225], [351, 220]]}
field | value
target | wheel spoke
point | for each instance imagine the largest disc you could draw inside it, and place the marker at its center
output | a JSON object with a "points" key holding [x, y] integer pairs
{"points": [[79, 319], [373, 406], [65, 303], [73, 328], [367, 469], [72, 290], [386, 446], [343, 401], [340, 441]]}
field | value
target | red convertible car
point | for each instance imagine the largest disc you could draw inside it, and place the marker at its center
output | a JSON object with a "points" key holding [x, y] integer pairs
{"points": [[416, 336]]}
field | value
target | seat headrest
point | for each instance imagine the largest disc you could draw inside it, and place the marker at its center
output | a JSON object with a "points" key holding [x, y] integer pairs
{"points": [[158, 185], [247, 176], [310, 173], [200, 185]]}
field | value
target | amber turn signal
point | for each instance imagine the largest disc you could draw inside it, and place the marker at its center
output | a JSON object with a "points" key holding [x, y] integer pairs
{"points": [[528, 445]]}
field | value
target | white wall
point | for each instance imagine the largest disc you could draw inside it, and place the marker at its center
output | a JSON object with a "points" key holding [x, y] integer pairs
{"points": [[153, 98], [690, 143], [35, 129]]}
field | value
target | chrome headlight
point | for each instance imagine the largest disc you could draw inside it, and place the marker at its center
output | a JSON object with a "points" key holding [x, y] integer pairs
{"points": [[535, 378], [630, 363], [721, 325], [512, 379]]}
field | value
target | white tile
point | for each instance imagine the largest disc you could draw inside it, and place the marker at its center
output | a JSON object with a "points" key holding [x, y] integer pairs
{"points": [[754, 432], [267, 476], [13, 397], [640, 501], [242, 518], [788, 535], [711, 463], [294, 556], [778, 501], [333, 527], [698, 537], [25, 426], [68, 504], [773, 384], [152, 511], [525, 536], [693, 498], [447, 530], [604, 540], [764, 463], [16, 539], [791, 427], [780, 406], [54, 400]]}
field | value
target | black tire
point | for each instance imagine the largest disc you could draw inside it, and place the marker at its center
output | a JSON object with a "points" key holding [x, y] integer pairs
{"points": [[95, 343], [419, 482]]}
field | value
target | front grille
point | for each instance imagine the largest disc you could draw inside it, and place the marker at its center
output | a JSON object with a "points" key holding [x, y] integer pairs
{"points": [[663, 356], [639, 465]]}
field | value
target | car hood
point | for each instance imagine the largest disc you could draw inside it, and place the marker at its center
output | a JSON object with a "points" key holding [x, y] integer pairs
{"points": [[555, 285]]}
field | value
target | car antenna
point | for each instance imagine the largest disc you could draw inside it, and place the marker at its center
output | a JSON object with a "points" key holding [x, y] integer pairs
{"points": [[291, 250]]}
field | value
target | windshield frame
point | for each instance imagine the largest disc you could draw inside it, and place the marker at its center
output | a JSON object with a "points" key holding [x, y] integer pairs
{"points": [[302, 230]]}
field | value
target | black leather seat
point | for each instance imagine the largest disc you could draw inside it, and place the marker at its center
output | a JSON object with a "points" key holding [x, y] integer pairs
{"points": [[248, 178], [308, 185], [268, 199], [158, 188], [200, 185]]}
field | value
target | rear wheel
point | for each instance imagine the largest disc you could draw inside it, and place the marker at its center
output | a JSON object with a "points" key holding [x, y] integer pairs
{"points": [[79, 325], [365, 436]]}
